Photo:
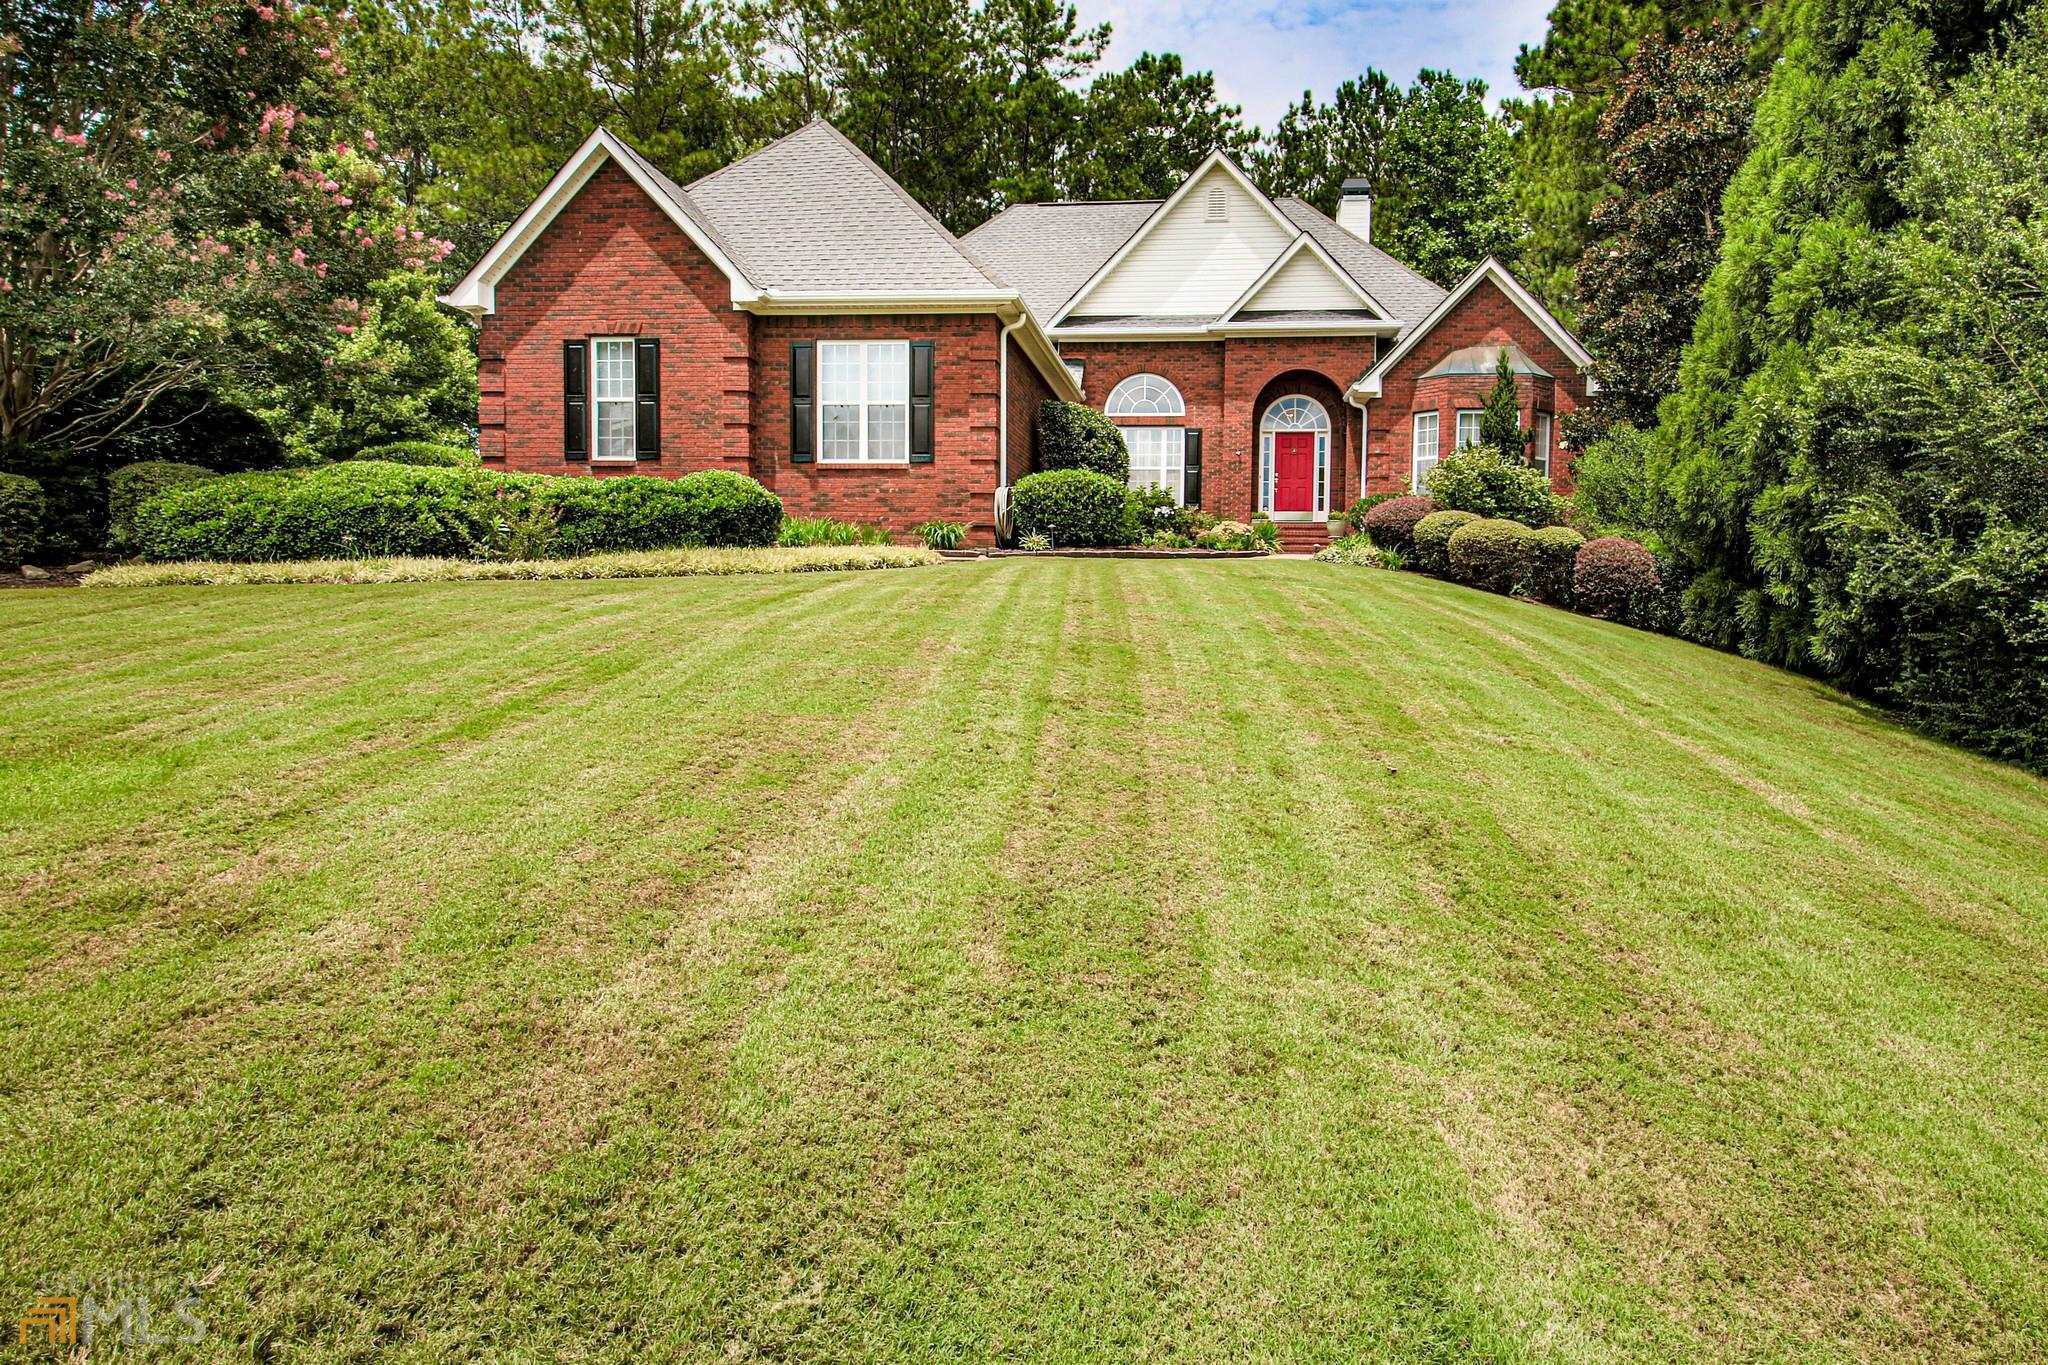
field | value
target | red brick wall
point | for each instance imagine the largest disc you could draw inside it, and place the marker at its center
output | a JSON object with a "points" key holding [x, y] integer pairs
{"points": [[1028, 390], [1486, 315], [960, 482], [613, 264]]}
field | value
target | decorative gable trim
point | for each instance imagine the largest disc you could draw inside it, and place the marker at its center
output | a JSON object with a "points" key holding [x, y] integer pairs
{"points": [[1303, 243], [1368, 385], [1213, 161]]}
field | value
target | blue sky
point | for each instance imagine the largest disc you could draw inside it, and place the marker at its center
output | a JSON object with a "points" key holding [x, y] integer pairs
{"points": [[1266, 52]]}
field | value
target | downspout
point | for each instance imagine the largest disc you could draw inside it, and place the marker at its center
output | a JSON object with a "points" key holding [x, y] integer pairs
{"points": [[1003, 401], [1364, 440]]}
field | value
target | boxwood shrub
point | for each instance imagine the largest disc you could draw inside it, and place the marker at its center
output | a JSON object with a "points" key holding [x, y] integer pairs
{"points": [[1076, 436], [1491, 553], [1071, 507], [1479, 479], [431, 453], [21, 518], [1552, 552], [134, 484], [639, 512], [1609, 573], [1391, 524], [1432, 540]]}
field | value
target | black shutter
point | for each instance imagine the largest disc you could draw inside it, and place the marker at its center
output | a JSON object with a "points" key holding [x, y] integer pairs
{"points": [[921, 402], [1191, 479], [575, 400], [802, 408], [647, 398]]}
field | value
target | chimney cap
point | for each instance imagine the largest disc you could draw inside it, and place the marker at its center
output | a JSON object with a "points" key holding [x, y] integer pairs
{"points": [[1358, 188]]}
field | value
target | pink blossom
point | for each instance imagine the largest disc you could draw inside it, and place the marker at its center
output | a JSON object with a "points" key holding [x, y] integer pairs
{"points": [[369, 139], [6, 286], [57, 131], [343, 200], [341, 149], [320, 269], [323, 53], [298, 256], [132, 185], [265, 13], [163, 154], [345, 329]]}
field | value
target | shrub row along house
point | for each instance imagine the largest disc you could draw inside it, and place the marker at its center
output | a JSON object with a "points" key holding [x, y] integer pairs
{"points": [[799, 318]]}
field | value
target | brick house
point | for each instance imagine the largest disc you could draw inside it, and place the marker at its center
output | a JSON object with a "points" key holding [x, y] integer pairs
{"points": [[799, 318]]}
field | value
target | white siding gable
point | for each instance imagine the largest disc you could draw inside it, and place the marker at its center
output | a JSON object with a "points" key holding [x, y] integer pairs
{"points": [[1304, 282], [1193, 263]]}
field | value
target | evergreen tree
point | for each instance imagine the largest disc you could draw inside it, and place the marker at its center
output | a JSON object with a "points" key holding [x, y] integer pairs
{"points": [[1500, 421], [1315, 147], [1144, 128]]}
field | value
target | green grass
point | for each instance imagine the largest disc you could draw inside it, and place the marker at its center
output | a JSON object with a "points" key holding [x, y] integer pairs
{"points": [[813, 558], [1029, 959]]}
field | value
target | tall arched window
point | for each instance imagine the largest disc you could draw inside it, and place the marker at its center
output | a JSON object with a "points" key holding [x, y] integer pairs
{"points": [[1294, 459], [1144, 395]]}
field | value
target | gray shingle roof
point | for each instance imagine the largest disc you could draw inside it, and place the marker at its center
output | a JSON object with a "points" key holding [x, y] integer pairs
{"points": [[811, 212], [1485, 359], [1305, 316], [1402, 292], [1047, 251]]}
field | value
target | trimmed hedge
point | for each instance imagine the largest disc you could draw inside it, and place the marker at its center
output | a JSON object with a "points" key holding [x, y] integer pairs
{"points": [[1076, 436], [1391, 524], [430, 453], [1492, 553], [1609, 573], [22, 509], [1480, 480], [1552, 552], [1432, 540], [1074, 508], [368, 507], [134, 484]]}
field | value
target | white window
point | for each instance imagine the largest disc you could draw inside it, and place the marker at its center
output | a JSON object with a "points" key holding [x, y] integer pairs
{"points": [[1145, 395], [1080, 373], [1158, 457], [863, 402], [1424, 449], [1543, 442], [1468, 427], [611, 399]]}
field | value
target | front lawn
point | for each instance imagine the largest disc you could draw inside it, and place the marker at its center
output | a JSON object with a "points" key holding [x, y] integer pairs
{"points": [[1058, 958]]}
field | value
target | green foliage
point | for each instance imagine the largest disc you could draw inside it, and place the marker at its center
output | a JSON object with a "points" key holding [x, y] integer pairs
{"points": [[1500, 420], [420, 453], [402, 374], [942, 535], [1613, 491], [1610, 574], [1034, 541], [1355, 517], [1430, 545], [1490, 553], [1076, 436], [1392, 523], [1152, 511], [1075, 508], [1478, 479], [22, 509], [825, 531], [358, 508], [1553, 553], [1361, 551], [132, 485], [1258, 534], [1144, 128]]}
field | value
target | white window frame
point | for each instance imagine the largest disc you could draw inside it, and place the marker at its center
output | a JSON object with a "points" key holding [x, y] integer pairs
{"points": [[1543, 434], [1321, 427], [1124, 402], [1173, 471], [1416, 473], [1478, 424], [868, 347], [598, 401], [1078, 369]]}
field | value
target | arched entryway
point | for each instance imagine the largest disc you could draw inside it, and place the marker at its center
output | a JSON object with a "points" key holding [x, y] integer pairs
{"points": [[1299, 434]]}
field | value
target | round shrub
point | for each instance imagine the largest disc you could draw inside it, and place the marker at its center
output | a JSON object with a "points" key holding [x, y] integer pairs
{"points": [[134, 484], [1609, 573], [1076, 436], [639, 512], [1478, 479], [1355, 517], [1073, 507], [1552, 551], [1492, 553], [21, 518], [430, 453], [1391, 524], [338, 511], [1431, 542]]}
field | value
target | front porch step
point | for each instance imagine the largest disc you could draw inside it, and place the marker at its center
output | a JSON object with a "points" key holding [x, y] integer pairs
{"points": [[1303, 537]]}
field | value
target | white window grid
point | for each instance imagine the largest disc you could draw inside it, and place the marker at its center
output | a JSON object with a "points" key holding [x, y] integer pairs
{"points": [[1158, 458], [1470, 421], [864, 402], [1424, 449], [614, 435], [1145, 395]]}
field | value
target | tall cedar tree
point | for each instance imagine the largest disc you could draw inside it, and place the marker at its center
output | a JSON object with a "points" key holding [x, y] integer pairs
{"points": [[1674, 134], [1500, 422]]}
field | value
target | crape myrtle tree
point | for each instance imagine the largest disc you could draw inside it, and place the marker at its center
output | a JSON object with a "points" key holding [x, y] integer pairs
{"points": [[187, 204]]}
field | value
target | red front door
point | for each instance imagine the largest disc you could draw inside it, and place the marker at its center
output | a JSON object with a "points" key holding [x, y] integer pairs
{"points": [[1294, 471]]}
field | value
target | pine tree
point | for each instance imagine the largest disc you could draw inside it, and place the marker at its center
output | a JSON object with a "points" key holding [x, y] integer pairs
{"points": [[1500, 422]]}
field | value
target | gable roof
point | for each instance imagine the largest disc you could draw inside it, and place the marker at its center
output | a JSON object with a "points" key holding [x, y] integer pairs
{"points": [[1406, 296], [1048, 251], [1303, 245], [1368, 384]]}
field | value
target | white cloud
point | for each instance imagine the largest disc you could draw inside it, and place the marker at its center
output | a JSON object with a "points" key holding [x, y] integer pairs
{"points": [[1265, 53]]}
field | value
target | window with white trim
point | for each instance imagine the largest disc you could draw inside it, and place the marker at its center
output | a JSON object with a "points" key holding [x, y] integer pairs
{"points": [[1144, 395], [1158, 457], [612, 431], [1469, 423], [1423, 451], [864, 402], [1543, 443], [1079, 370]]}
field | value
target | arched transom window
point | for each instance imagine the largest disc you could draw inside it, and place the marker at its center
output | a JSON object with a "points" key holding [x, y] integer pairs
{"points": [[1144, 395], [1297, 414]]}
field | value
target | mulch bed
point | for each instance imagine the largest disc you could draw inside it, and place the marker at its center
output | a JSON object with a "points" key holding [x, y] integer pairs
{"points": [[52, 578]]}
